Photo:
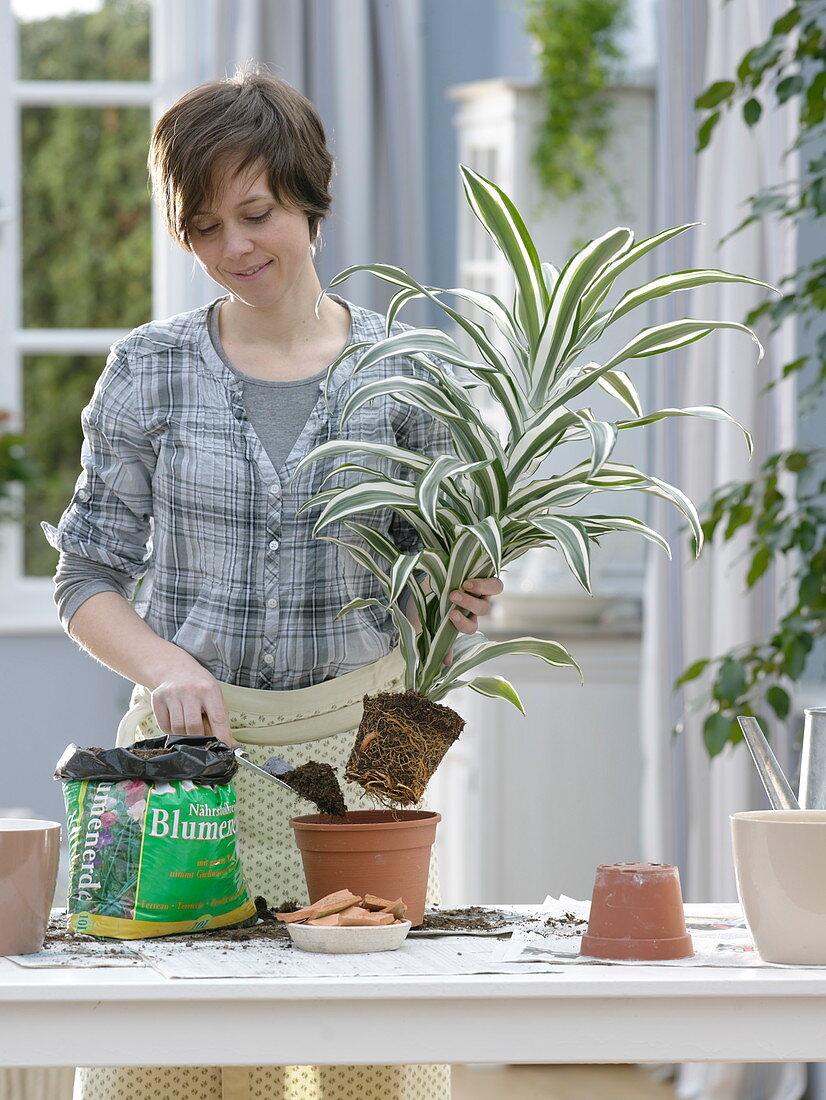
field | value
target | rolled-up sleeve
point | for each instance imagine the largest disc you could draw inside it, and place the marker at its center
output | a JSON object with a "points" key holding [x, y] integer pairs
{"points": [[107, 523]]}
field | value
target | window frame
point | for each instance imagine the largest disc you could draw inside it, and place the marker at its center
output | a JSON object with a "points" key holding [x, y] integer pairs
{"points": [[26, 603]]}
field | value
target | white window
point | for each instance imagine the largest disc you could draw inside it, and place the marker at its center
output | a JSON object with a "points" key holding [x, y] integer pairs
{"points": [[82, 251]]}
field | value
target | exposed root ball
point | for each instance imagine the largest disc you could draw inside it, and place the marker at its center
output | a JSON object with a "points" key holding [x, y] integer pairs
{"points": [[400, 743]]}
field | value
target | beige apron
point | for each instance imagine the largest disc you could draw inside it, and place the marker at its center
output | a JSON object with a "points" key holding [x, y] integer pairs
{"points": [[315, 723]]}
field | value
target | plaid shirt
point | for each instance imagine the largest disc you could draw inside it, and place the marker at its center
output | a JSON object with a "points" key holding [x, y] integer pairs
{"points": [[177, 488]]}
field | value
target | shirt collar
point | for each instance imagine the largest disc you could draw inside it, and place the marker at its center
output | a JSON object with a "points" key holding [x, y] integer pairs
{"points": [[215, 364]]}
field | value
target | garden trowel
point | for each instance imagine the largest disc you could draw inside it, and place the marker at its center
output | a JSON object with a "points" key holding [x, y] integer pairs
{"points": [[273, 768]]}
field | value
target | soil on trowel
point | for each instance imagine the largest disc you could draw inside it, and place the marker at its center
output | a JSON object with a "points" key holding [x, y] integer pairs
{"points": [[319, 785]]}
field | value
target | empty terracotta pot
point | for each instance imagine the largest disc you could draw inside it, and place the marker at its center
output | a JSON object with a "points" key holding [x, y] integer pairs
{"points": [[637, 913], [383, 852], [29, 853]]}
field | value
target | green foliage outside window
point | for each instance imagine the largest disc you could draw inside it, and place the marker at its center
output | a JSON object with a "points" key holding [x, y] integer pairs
{"points": [[782, 509], [579, 58], [86, 259]]}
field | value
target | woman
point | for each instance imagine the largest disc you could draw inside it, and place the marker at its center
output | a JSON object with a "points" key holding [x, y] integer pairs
{"points": [[191, 440]]}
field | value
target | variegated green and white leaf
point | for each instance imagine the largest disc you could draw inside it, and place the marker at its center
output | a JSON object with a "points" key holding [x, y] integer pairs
{"points": [[672, 335], [551, 276], [489, 535], [573, 542], [671, 284], [495, 687], [400, 496], [705, 412], [598, 290], [434, 480], [603, 438], [596, 525], [360, 555], [380, 544], [551, 652], [407, 644], [666, 491], [559, 327], [400, 574], [502, 221], [619, 385], [334, 447], [354, 605]]}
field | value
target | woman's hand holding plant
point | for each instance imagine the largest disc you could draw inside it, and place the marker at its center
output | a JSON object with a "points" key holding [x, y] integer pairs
{"points": [[473, 599]]}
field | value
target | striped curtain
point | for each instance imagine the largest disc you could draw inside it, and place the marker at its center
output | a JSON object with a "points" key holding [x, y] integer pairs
{"points": [[699, 609]]}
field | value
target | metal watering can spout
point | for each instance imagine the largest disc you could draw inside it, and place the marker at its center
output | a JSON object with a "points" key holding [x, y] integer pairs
{"points": [[780, 794]]}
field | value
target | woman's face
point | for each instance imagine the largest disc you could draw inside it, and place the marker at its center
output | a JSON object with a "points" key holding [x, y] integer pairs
{"points": [[250, 244]]}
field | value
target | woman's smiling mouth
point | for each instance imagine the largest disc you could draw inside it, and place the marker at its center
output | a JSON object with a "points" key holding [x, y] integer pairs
{"points": [[251, 272]]}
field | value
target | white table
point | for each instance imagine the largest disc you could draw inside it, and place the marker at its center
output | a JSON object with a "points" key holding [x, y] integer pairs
{"points": [[579, 1013]]}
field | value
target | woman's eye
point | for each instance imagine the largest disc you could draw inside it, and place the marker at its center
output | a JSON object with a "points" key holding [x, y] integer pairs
{"points": [[261, 217], [207, 229]]}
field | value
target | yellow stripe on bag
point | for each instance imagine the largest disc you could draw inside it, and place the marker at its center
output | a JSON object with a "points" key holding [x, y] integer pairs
{"points": [[117, 928]]}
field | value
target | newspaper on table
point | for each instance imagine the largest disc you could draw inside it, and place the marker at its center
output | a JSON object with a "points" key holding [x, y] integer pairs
{"points": [[556, 934], [263, 959], [83, 954]]}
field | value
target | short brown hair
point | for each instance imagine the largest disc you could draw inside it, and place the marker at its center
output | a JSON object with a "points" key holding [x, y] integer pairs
{"points": [[250, 118]]}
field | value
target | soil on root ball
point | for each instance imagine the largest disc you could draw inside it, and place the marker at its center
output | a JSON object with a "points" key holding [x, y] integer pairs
{"points": [[318, 784], [400, 743]]}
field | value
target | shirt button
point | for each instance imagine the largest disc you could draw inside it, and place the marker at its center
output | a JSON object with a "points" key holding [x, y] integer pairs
{"points": [[275, 490], [83, 495], [268, 658], [274, 544], [272, 603]]}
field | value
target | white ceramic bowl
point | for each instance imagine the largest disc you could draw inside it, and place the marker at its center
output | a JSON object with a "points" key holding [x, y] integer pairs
{"points": [[348, 941], [779, 858]]}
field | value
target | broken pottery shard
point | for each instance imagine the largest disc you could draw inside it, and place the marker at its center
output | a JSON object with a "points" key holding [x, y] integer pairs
{"points": [[369, 920], [296, 915], [354, 911], [397, 908], [372, 902], [334, 903], [333, 921]]}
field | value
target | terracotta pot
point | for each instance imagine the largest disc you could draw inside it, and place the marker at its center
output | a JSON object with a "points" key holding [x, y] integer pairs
{"points": [[637, 913], [29, 853], [382, 852], [779, 857]]}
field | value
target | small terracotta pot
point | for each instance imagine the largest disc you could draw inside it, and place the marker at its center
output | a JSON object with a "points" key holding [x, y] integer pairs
{"points": [[29, 853], [637, 913], [383, 852]]}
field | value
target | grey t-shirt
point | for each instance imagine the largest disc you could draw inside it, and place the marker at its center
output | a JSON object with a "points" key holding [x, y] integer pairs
{"points": [[277, 411]]}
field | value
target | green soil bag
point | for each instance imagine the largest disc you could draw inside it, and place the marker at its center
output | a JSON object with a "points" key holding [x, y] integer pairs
{"points": [[152, 839]]}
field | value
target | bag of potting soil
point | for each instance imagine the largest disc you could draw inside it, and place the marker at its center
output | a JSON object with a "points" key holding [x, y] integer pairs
{"points": [[152, 838]]}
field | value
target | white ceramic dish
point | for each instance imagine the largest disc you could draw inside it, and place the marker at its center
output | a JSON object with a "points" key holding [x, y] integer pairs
{"points": [[348, 941]]}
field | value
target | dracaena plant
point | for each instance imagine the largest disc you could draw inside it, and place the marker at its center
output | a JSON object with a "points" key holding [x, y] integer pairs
{"points": [[482, 507]]}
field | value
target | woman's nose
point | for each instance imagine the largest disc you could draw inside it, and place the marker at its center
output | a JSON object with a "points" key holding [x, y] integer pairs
{"points": [[237, 243]]}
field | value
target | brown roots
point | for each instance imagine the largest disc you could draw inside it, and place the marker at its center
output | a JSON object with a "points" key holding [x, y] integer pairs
{"points": [[400, 743]]}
